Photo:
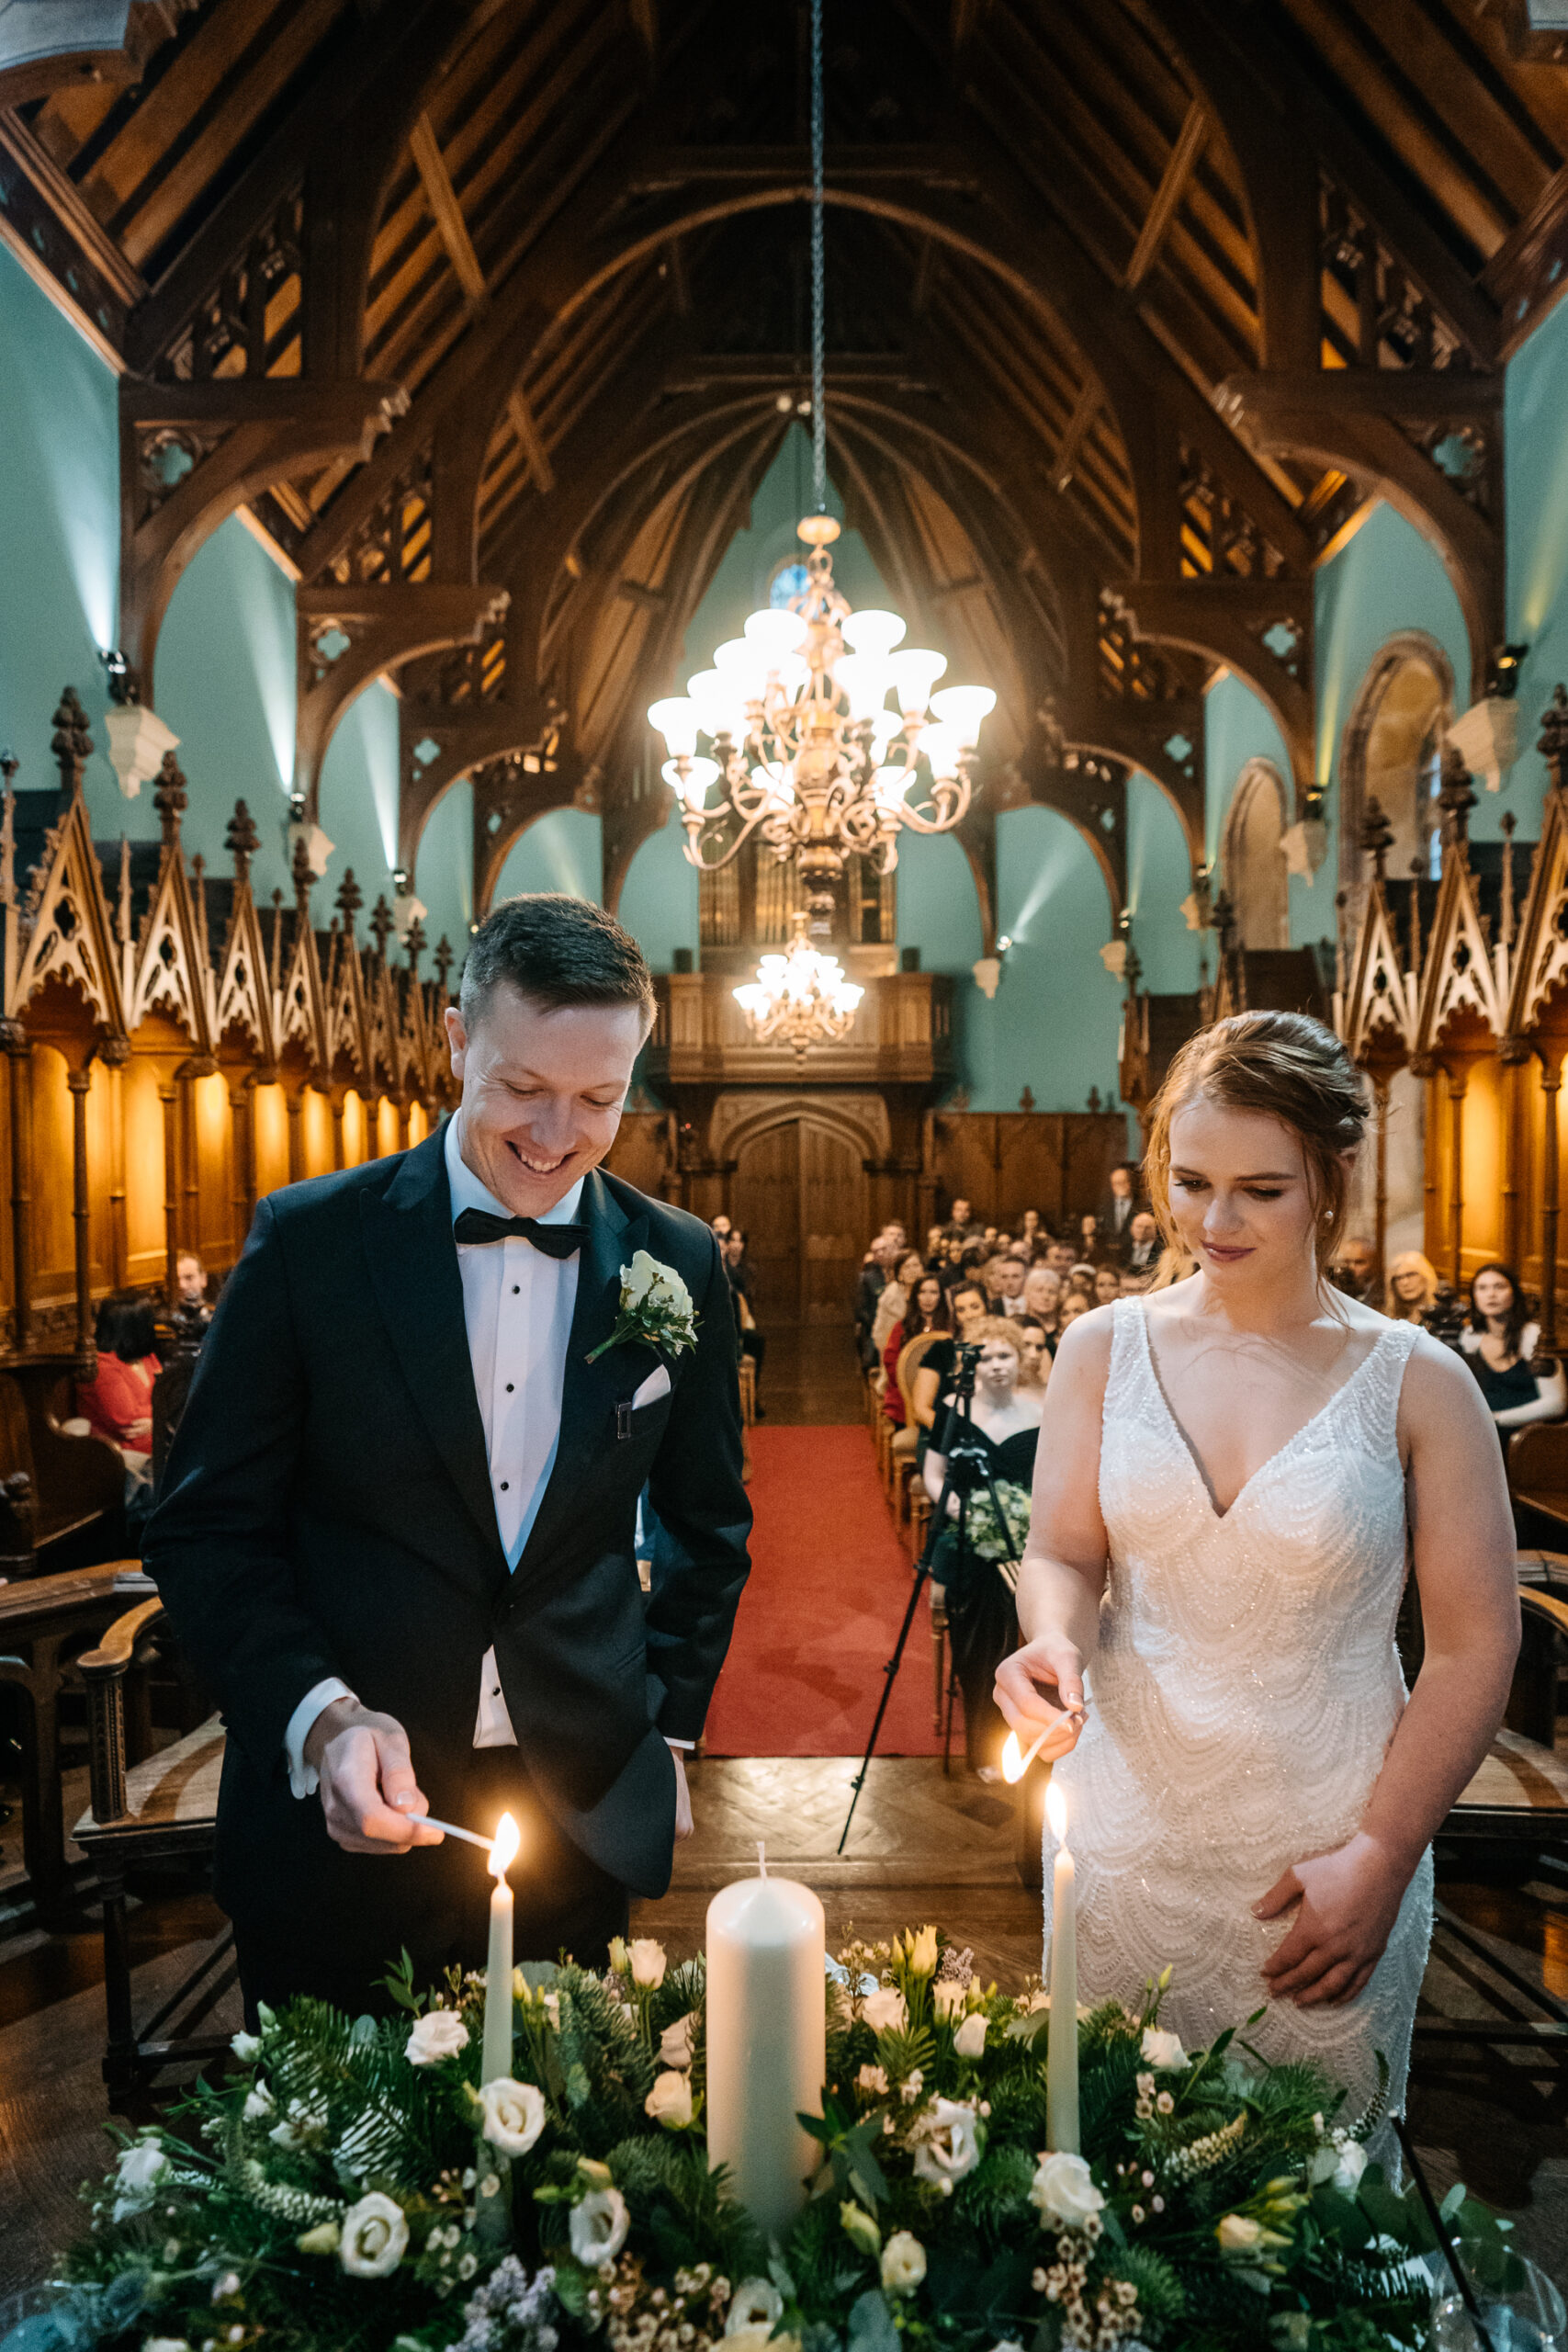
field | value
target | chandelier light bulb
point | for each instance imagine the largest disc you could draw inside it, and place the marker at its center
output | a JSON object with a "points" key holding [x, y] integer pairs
{"points": [[777, 631], [776, 778], [872, 631], [943, 749], [913, 673], [690, 778], [744, 667], [863, 678], [891, 782], [676, 719], [965, 708]]}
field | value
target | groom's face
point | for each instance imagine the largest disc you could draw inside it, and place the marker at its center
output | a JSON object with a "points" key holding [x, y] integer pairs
{"points": [[542, 1091]]}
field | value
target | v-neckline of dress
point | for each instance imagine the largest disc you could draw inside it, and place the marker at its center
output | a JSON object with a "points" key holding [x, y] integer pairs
{"points": [[1194, 1461]]}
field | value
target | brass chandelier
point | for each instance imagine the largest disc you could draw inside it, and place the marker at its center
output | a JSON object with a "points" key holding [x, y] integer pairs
{"points": [[822, 730], [801, 998]]}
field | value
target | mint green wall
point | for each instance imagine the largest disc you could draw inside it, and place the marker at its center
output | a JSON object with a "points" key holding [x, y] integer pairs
{"points": [[938, 911], [1054, 1021], [357, 805], [225, 684], [1159, 877], [659, 897], [562, 851], [59, 526], [1536, 409], [443, 870]]}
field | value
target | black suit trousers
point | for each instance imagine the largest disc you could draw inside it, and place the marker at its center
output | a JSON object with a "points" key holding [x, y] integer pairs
{"points": [[433, 1902]]}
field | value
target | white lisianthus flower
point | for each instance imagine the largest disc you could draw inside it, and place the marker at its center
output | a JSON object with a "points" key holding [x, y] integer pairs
{"points": [[303, 2122], [675, 2045], [440, 2033], [903, 2264], [885, 2010], [599, 2224], [948, 2000], [1163, 2050], [873, 2081], [669, 2101], [948, 2148], [258, 2102], [1064, 2190], [647, 1959], [860, 2228], [375, 2236], [969, 2039], [245, 2047], [513, 2113], [136, 2180], [910, 2088], [756, 2302]]}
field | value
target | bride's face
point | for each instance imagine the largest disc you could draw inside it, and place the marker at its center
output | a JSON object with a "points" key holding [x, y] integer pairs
{"points": [[1239, 1194]]}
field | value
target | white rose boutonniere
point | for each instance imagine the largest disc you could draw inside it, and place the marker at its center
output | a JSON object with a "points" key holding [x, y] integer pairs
{"points": [[656, 1307]]}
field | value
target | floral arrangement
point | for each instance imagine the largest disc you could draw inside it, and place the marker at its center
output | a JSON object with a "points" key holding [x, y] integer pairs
{"points": [[353, 2185], [986, 1536], [655, 1307]]}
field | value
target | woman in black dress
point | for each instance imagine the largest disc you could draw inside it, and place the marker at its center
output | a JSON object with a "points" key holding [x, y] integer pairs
{"points": [[1501, 1343], [982, 1615]]}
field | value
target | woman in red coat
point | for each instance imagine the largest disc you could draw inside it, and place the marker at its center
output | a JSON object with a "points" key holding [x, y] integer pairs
{"points": [[117, 1404]]}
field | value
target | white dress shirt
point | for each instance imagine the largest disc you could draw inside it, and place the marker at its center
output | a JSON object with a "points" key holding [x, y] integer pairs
{"points": [[517, 1305]]}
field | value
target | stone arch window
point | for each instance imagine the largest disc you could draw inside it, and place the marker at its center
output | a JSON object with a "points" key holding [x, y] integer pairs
{"points": [[1252, 862], [1393, 750]]}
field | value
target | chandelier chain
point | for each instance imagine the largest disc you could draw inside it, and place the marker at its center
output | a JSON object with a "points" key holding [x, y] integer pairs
{"points": [[818, 405]]}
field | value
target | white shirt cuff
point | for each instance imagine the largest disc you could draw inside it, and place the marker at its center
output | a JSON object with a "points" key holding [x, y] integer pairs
{"points": [[302, 1776], [687, 1744]]}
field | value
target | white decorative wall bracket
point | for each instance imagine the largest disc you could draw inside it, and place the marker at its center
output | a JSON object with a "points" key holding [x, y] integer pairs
{"points": [[1487, 739], [137, 740]]}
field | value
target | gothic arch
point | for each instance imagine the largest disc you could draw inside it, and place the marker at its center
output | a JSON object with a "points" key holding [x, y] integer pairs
{"points": [[1252, 860], [1381, 751]]}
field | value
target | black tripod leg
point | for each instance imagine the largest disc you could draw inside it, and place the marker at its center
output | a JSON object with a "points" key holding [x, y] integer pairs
{"points": [[890, 1671]]}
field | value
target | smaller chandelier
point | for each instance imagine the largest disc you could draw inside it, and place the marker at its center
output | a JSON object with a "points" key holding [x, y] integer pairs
{"points": [[803, 745], [801, 998]]}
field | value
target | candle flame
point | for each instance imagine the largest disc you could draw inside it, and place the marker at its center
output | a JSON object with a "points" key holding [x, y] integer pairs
{"points": [[504, 1853], [1056, 1813], [1012, 1759]]}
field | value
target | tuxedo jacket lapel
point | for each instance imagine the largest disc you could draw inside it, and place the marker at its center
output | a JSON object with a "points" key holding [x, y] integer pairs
{"points": [[589, 1391], [413, 1270]]}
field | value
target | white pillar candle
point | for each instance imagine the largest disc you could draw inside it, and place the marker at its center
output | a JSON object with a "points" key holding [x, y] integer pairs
{"points": [[1061, 2049], [495, 2063], [766, 2039]]}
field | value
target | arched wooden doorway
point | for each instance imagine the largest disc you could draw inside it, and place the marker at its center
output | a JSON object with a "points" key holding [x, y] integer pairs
{"points": [[799, 1193]]}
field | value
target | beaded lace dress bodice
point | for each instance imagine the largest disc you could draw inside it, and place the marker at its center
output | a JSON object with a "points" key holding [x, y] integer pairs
{"points": [[1245, 1692]]}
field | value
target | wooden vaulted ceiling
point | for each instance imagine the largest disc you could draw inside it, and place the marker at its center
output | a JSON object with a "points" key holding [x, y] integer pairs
{"points": [[494, 312]]}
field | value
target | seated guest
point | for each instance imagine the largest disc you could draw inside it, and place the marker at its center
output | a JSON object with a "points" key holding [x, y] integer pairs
{"points": [[936, 1245], [875, 1275], [1135, 1284], [967, 1306], [981, 1615], [1412, 1289], [191, 1313], [1081, 1278], [1029, 1228], [960, 1218], [1035, 1368], [927, 1311], [1140, 1251], [1004, 1279], [118, 1402], [895, 1297], [1092, 1245], [743, 1293], [1107, 1285], [1059, 1256], [720, 1226], [1042, 1299], [1119, 1202], [1501, 1345], [1075, 1302], [1354, 1269]]}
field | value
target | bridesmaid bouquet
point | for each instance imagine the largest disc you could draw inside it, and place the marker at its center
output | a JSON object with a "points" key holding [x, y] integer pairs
{"points": [[351, 2185]]}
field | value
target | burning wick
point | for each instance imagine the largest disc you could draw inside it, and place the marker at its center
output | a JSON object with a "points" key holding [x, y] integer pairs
{"points": [[503, 1846]]}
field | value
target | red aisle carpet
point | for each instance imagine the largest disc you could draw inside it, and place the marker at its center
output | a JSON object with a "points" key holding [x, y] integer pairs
{"points": [[829, 1586]]}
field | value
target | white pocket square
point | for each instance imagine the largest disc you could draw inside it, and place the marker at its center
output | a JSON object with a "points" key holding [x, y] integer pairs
{"points": [[656, 1385]]}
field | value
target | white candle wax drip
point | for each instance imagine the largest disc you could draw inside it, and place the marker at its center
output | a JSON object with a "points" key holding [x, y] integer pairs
{"points": [[766, 2039]]}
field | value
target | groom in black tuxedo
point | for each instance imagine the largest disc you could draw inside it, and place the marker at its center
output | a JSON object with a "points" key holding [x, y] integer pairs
{"points": [[396, 1530]]}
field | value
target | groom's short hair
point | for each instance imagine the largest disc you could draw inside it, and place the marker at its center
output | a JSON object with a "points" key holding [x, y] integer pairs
{"points": [[556, 951]]}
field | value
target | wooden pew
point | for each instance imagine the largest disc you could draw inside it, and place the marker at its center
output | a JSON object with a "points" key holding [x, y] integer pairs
{"points": [[1538, 1480], [76, 1483]]}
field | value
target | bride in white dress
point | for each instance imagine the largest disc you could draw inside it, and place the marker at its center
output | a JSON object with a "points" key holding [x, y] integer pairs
{"points": [[1227, 1474]]}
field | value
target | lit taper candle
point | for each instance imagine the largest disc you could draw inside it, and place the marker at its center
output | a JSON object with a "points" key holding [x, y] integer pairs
{"points": [[496, 2059]]}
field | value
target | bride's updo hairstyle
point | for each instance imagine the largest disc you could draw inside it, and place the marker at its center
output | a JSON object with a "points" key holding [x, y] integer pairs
{"points": [[1288, 1067]]}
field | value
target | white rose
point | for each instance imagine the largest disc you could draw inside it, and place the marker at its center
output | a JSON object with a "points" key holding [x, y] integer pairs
{"points": [[903, 2264], [137, 2178], [375, 2238], [639, 1278], [258, 2102], [756, 2302], [948, 2148], [675, 2042], [647, 1964], [669, 2101], [513, 2113], [245, 2046], [1163, 2050], [883, 2010], [948, 2000], [440, 2033], [969, 2039], [1063, 2189], [599, 2224], [1239, 2233]]}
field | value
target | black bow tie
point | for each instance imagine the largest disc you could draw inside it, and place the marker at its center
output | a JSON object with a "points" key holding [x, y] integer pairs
{"points": [[555, 1241]]}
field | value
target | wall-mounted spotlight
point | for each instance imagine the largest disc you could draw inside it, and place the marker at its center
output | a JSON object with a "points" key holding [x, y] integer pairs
{"points": [[406, 909]]}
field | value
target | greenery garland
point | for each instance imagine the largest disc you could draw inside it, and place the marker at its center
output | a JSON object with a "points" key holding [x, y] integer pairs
{"points": [[351, 2187]]}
